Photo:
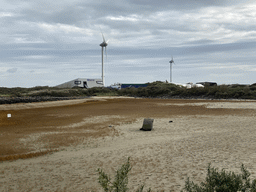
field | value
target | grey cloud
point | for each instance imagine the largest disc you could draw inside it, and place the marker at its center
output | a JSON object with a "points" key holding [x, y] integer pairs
{"points": [[240, 27], [176, 4], [68, 15], [77, 11], [12, 70], [199, 42]]}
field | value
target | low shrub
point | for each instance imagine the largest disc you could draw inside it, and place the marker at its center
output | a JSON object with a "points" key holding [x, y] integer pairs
{"points": [[38, 88], [253, 87], [121, 179], [215, 181], [53, 93], [101, 91], [223, 182], [196, 91], [129, 91]]}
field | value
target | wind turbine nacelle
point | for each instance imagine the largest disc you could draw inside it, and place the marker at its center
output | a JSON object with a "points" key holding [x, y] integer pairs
{"points": [[103, 44]]}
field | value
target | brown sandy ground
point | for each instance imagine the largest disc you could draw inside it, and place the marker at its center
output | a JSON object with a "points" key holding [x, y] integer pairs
{"points": [[103, 132]]}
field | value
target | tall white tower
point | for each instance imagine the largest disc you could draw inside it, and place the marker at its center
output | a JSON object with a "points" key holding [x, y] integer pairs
{"points": [[171, 62], [103, 44]]}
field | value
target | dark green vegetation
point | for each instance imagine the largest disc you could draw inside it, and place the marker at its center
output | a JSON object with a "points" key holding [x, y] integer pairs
{"points": [[223, 181], [121, 179], [155, 89], [215, 181], [46, 91], [160, 89]]}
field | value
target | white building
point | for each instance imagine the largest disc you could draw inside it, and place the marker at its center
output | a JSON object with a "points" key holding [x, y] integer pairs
{"points": [[82, 82]]}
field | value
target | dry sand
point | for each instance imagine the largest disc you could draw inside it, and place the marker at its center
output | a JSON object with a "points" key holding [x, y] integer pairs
{"points": [[218, 132]]}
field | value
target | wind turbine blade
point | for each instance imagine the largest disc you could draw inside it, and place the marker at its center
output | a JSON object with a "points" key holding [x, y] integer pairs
{"points": [[102, 35], [103, 38]]}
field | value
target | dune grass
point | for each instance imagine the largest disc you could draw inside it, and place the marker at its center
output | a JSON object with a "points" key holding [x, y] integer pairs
{"points": [[214, 182]]}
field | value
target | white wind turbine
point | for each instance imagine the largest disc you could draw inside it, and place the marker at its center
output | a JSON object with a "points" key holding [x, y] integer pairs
{"points": [[171, 62], [103, 44]]}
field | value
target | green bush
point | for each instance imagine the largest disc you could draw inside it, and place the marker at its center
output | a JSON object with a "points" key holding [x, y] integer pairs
{"points": [[222, 95], [197, 91], [121, 179], [253, 87], [215, 181], [38, 88], [129, 91], [154, 91], [98, 91], [142, 92], [223, 182], [14, 92], [211, 91]]}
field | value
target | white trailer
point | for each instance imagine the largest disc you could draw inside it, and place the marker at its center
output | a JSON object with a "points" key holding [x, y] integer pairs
{"points": [[82, 82]]}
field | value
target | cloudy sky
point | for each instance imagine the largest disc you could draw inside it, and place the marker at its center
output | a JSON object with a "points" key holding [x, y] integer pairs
{"points": [[49, 42]]}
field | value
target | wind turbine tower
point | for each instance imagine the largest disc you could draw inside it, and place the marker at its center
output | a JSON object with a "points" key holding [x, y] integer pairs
{"points": [[103, 45], [171, 62]]}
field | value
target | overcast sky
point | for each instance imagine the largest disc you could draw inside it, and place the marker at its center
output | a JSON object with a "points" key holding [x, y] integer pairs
{"points": [[49, 42]]}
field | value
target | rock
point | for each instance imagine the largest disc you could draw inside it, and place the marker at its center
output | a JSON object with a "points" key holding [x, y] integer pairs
{"points": [[147, 125], [170, 121]]}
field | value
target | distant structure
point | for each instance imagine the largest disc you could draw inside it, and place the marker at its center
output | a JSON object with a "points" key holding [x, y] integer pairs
{"points": [[171, 62], [82, 82], [208, 83], [189, 85], [103, 44], [115, 86], [133, 85]]}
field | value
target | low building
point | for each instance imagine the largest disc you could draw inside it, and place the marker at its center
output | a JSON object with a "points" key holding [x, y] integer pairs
{"points": [[82, 82]]}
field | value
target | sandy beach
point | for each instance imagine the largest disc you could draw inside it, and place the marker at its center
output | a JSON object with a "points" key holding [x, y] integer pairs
{"points": [[102, 132]]}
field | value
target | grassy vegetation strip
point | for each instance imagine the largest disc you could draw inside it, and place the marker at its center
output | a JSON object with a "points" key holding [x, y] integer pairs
{"points": [[154, 89], [12, 100], [167, 90]]}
